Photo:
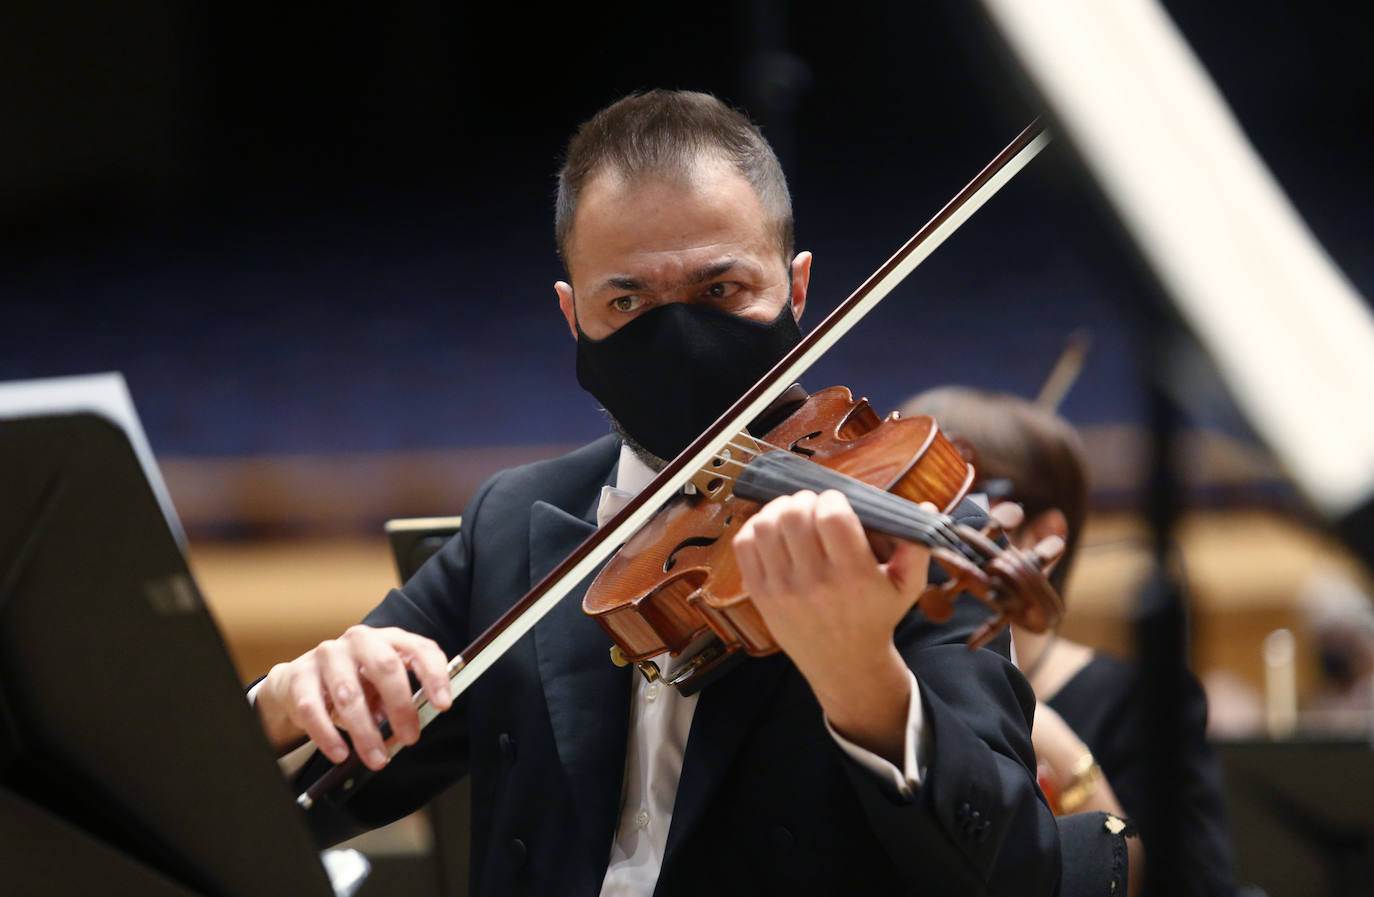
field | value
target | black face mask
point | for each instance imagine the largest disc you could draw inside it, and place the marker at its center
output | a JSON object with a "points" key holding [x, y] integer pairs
{"points": [[668, 374]]}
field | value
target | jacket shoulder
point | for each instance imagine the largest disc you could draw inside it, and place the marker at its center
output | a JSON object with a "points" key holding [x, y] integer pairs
{"points": [[563, 481]]}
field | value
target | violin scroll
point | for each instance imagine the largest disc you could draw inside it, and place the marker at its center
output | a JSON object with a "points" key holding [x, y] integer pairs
{"points": [[1012, 581]]}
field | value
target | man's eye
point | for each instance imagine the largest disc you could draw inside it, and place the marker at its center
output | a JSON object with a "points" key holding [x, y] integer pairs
{"points": [[722, 290], [627, 303]]}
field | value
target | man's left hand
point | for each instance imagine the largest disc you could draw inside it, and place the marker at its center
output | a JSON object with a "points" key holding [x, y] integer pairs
{"points": [[833, 607]]}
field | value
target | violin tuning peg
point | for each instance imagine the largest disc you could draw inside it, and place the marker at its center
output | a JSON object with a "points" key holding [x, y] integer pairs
{"points": [[1007, 515], [987, 631], [1048, 550], [937, 603]]}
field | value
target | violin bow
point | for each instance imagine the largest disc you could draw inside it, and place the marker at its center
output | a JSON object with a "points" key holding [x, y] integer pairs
{"points": [[1067, 367], [475, 659]]}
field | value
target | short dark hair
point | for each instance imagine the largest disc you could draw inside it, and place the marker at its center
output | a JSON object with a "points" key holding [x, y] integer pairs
{"points": [[664, 132], [1035, 449]]}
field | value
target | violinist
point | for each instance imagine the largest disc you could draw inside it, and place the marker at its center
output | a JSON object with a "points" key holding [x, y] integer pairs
{"points": [[875, 754], [1089, 732]]}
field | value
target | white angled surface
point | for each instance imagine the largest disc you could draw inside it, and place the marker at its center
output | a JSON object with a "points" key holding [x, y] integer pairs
{"points": [[1291, 337], [104, 394]]}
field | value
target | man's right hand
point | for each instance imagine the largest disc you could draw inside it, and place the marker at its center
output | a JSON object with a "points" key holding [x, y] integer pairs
{"points": [[352, 683]]}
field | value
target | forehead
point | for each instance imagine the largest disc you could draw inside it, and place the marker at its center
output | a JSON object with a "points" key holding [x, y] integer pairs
{"points": [[664, 222]]}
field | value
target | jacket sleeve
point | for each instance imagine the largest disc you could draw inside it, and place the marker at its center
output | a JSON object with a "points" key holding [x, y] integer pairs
{"points": [[978, 797]]}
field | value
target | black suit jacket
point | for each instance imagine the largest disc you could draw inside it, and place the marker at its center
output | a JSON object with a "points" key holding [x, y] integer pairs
{"points": [[767, 802]]}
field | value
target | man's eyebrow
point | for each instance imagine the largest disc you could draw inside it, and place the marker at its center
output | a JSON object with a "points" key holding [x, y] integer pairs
{"points": [[630, 284], [701, 275], [711, 272]]}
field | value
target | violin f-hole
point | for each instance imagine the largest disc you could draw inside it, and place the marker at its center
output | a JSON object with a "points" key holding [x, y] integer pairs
{"points": [[693, 542], [797, 449]]}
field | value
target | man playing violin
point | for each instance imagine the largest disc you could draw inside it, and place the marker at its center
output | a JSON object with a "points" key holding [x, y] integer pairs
{"points": [[876, 754]]}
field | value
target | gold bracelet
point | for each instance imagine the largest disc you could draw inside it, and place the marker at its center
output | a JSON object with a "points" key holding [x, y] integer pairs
{"points": [[1086, 775]]}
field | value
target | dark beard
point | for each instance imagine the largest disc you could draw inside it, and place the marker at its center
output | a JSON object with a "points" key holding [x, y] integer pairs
{"points": [[654, 462]]}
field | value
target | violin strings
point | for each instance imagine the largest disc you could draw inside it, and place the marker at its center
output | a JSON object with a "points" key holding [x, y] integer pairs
{"points": [[936, 527], [769, 444], [749, 450], [939, 528]]}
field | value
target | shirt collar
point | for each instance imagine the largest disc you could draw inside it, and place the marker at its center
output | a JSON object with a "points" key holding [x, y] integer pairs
{"points": [[631, 476]]}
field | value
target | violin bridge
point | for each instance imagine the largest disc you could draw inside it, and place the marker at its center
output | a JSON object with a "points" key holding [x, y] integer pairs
{"points": [[711, 481]]}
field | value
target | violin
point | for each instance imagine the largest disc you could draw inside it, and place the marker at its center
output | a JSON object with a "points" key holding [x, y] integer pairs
{"points": [[675, 586], [1009, 580]]}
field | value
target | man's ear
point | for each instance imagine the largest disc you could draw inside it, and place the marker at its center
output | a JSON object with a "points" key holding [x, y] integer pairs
{"points": [[801, 279], [565, 305]]}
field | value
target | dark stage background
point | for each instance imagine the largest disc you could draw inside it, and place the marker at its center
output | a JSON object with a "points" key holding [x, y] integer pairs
{"points": [[328, 228], [317, 241]]}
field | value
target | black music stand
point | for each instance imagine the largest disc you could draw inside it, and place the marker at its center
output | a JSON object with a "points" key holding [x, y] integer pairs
{"points": [[130, 762], [1301, 816]]}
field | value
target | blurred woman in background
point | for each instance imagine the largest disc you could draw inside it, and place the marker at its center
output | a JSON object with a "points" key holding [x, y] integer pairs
{"points": [[1089, 734]]}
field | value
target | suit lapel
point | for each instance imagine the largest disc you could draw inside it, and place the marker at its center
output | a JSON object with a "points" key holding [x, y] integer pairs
{"points": [[588, 697], [725, 714]]}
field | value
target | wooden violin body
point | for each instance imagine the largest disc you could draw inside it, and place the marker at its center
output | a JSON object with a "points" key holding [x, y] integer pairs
{"points": [[676, 583]]}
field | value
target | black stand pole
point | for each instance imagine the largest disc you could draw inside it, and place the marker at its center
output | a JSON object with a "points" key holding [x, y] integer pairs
{"points": [[1160, 627]]}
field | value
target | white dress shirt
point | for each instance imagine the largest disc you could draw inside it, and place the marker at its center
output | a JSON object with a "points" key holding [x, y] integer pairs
{"points": [[660, 720]]}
